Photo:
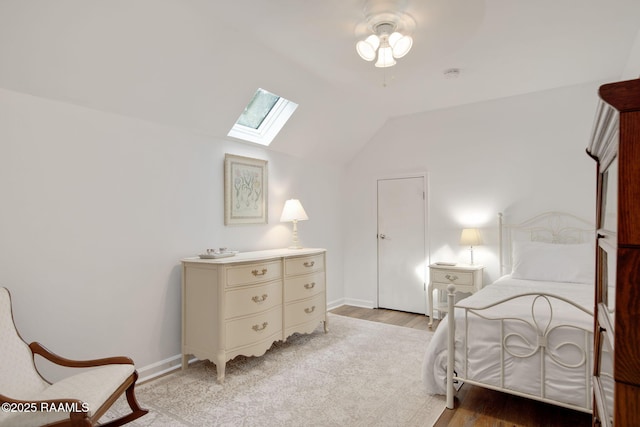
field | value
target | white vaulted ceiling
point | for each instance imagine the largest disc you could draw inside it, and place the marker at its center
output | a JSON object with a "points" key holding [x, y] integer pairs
{"points": [[195, 64]]}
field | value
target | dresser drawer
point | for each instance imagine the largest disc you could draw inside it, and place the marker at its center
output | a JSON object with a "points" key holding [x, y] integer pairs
{"points": [[306, 286], [249, 330], [253, 273], [455, 277], [247, 300], [304, 311], [304, 264]]}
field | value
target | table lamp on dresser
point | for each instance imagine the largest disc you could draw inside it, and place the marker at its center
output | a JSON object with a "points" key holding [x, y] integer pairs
{"points": [[294, 212]]}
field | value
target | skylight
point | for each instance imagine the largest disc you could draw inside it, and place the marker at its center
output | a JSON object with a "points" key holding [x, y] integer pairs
{"points": [[263, 118]]}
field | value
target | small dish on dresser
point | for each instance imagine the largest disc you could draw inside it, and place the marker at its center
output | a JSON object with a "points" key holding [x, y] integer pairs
{"points": [[214, 255]]}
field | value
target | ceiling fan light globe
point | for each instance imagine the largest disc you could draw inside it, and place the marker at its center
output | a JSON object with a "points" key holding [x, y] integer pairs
{"points": [[401, 46], [385, 58], [374, 41], [365, 51], [394, 37], [367, 48]]}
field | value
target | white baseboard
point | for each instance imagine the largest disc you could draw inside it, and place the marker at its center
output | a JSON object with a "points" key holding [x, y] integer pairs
{"points": [[350, 301], [359, 303], [162, 367], [335, 304]]}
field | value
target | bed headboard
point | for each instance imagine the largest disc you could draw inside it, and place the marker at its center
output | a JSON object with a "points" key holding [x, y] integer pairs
{"points": [[549, 227]]}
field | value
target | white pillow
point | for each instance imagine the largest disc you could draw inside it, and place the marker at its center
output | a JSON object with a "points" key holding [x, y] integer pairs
{"points": [[554, 262]]}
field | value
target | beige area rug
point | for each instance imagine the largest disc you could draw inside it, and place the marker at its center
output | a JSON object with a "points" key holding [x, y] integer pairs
{"points": [[361, 373]]}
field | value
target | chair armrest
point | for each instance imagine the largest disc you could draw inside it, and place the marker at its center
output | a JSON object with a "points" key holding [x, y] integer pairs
{"points": [[37, 348]]}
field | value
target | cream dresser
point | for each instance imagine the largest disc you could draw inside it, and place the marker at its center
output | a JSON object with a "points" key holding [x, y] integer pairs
{"points": [[242, 304]]}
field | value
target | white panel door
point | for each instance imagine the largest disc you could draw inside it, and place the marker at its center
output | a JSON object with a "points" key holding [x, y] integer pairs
{"points": [[401, 244]]}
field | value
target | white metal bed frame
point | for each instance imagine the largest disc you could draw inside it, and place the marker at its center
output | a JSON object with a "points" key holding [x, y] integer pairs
{"points": [[551, 227]]}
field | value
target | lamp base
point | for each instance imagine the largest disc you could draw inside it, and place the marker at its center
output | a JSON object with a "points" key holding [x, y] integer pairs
{"points": [[295, 244]]}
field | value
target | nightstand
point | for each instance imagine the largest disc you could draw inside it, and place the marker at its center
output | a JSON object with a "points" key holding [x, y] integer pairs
{"points": [[467, 278]]}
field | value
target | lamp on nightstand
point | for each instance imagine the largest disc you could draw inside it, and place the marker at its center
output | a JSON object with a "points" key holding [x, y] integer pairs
{"points": [[293, 211], [470, 237]]}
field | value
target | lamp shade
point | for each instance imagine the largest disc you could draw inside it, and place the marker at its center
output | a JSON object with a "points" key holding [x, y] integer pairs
{"points": [[470, 237], [293, 211]]}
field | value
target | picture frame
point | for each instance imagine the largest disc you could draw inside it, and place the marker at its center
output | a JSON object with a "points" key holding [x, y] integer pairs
{"points": [[245, 190]]}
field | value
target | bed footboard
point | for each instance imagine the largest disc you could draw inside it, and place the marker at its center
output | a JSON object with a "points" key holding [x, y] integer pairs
{"points": [[554, 351], [451, 344]]}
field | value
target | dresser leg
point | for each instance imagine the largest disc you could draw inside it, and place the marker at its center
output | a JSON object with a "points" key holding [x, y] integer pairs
{"points": [[221, 364], [326, 326], [185, 361]]}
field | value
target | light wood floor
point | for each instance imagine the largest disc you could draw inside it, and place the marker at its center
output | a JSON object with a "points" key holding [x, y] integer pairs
{"points": [[476, 406]]}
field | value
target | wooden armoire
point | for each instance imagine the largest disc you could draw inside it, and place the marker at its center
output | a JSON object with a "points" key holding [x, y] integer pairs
{"points": [[615, 145]]}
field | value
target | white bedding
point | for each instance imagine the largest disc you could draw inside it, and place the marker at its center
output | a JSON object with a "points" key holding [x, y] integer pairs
{"points": [[566, 384]]}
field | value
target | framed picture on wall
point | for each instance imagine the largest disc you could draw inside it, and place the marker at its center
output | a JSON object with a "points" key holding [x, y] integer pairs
{"points": [[245, 190]]}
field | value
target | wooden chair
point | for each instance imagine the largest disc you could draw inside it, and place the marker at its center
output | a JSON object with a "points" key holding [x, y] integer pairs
{"points": [[27, 399]]}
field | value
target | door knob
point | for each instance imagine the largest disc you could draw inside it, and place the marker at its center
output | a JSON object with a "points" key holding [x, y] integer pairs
{"points": [[382, 236]]}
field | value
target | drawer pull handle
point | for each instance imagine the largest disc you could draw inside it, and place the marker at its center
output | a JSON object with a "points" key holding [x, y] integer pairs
{"points": [[310, 310], [451, 277], [309, 263], [310, 285], [259, 328], [259, 273], [258, 299]]}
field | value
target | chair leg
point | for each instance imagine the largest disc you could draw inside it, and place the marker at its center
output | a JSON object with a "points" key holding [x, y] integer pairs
{"points": [[133, 403], [136, 410]]}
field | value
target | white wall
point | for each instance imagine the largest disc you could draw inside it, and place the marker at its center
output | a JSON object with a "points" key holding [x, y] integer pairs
{"points": [[632, 68], [520, 155], [97, 210]]}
